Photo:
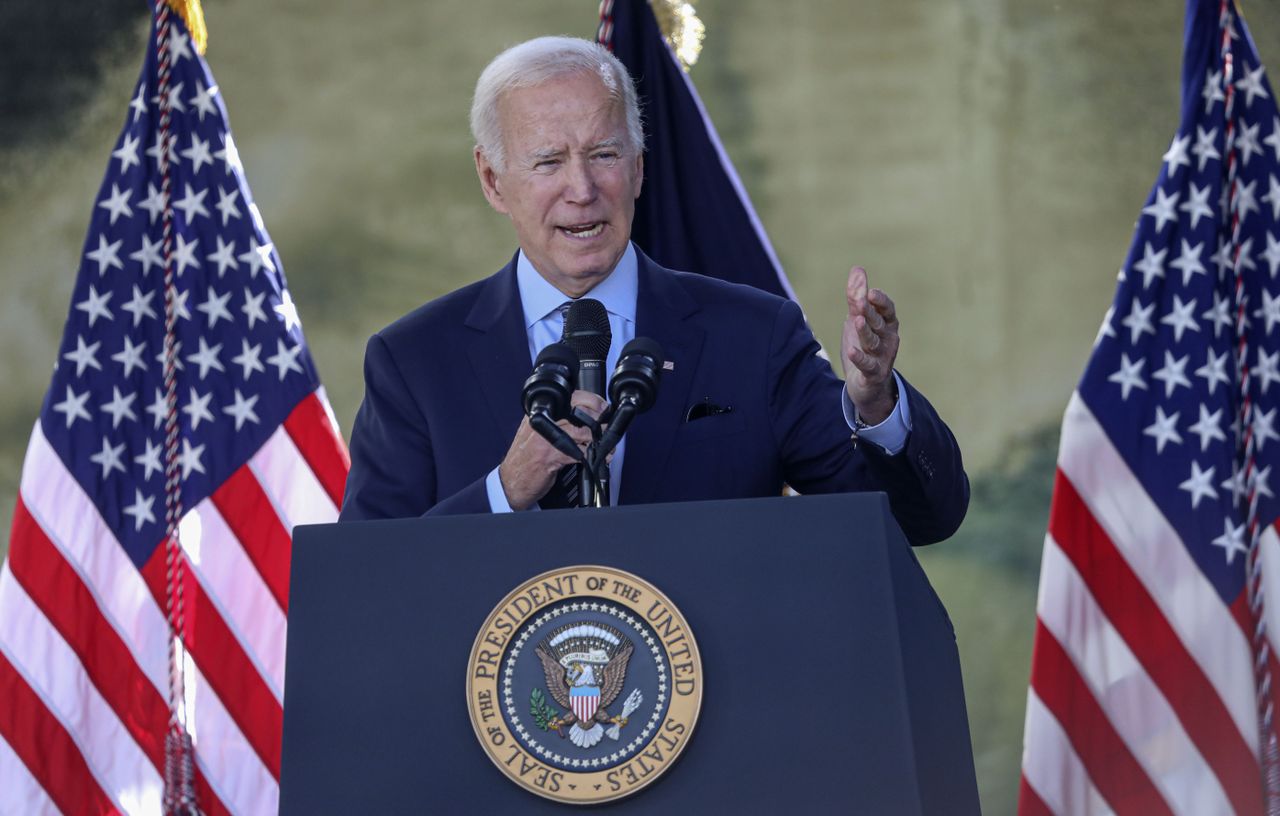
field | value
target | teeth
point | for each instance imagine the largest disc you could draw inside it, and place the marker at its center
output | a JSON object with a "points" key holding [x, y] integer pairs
{"points": [[585, 232]]}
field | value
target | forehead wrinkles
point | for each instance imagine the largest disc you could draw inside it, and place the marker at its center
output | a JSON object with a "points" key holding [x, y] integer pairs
{"points": [[556, 117]]}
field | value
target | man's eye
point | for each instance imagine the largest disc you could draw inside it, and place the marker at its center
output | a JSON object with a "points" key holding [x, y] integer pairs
{"points": [[546, 164], [607, 156]]}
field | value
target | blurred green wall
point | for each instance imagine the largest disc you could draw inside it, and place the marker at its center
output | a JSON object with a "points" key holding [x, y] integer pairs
{"points": [[985, 159]]}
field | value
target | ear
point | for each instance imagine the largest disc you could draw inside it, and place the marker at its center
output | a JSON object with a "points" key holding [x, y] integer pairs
{"points": [[639, 182], [489, 181]]}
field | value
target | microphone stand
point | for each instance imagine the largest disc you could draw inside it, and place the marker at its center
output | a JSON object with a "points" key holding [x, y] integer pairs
{"points": [[597, 459], [594, 490]]}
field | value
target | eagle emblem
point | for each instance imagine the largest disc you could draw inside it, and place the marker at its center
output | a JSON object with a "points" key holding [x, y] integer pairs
{"points": [[585, 665], [574, 689]]}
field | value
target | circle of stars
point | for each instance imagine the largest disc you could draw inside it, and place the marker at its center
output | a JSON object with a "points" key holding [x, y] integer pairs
{"points": [[513, 711]]}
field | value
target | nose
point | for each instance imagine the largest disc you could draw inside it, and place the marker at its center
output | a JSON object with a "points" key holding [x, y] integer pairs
{"points": [[580, 182]]}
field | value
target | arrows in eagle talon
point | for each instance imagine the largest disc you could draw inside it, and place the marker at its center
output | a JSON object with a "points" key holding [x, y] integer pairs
{"points": [[633, 702]]}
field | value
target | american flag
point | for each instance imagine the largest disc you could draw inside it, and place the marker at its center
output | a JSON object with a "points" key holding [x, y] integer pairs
{"points": [[84, 634], [1144, 695]]}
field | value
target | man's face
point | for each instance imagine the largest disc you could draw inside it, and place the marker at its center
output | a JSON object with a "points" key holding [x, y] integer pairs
{"points": [[571, 179]]}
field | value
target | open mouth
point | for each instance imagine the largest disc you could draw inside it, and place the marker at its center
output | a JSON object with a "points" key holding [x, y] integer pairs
{"points": [[584, 231]]}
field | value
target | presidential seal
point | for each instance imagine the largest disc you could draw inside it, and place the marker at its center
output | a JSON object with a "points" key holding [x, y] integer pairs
{"points": [[584, 684]]}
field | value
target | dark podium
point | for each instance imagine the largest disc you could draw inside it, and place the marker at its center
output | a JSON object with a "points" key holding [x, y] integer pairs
{"points": [[831, 676]]}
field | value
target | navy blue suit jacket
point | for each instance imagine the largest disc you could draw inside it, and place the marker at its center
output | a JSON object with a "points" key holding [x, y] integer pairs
{"points": [[443, 402]]}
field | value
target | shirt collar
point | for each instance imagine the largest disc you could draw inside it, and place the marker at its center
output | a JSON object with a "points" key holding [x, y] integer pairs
{"points": [[617, 292]]}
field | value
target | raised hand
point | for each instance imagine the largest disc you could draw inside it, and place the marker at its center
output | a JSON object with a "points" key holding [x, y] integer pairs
{"points": [[870, 345]]}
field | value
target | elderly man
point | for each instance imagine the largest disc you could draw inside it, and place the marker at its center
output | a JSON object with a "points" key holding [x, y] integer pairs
{"points": [[559, 151]]}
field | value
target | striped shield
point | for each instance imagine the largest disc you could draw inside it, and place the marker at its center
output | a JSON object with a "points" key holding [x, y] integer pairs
{"points": [[585, 700]]}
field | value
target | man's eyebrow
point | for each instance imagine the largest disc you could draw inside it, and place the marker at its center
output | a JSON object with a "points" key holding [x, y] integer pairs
{"points": [[545, 153], [612, 142]]}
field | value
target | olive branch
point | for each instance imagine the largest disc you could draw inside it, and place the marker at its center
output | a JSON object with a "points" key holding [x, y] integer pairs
{"points": [[541, 710]]}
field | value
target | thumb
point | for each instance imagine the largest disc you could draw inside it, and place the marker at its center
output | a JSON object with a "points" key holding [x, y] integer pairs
{"points": [[855, 291]]}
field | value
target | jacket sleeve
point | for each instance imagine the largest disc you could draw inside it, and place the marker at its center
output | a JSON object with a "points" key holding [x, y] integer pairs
{"points": [[926, 484], [393, 473], [927, 487]]}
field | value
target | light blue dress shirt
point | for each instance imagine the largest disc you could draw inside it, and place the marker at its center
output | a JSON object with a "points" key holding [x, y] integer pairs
{"points": [[544, 324]]}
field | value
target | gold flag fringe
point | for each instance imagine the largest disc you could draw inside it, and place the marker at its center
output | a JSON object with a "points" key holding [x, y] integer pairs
{"points": [[193, 16], [681, 28]]}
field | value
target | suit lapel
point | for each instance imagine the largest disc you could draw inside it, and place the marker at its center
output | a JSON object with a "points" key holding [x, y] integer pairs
{"points": [[498, 349], [663, 307]]}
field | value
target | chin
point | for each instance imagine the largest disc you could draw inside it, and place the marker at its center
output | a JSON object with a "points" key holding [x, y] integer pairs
{"points": [[589, 276], [601, 260]]}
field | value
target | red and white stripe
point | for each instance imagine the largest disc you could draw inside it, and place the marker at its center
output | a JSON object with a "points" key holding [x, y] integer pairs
{"points": [[584, 706], [1142, 693], [83, 637]]}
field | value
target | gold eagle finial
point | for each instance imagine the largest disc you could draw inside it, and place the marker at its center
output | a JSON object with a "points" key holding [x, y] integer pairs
{"points": [[681, 28]]}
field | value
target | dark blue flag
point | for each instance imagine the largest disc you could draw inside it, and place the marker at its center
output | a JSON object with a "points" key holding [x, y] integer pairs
{"points": [[693, 213]]}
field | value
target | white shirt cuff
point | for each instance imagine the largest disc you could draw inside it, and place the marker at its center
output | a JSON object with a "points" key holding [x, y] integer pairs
{"points": [[497, 496], [889, 435]]}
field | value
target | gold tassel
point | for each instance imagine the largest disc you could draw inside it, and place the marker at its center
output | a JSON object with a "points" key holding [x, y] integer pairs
{"points": [[193, 16], [681, 28]]}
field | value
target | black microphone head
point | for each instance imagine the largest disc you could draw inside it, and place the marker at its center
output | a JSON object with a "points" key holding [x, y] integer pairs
{"points": [[550, 386], [637, 374], [586, 329], [645, 346], [561, 353]]}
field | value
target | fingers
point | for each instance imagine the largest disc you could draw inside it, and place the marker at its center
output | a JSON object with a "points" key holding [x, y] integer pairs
{"points": [[855, 291], [538, 454], [592, 404], [871, 346], [582, 436], [528, 469], [868, 331], [869, 365], [871, 310], [883, 306], [530, 466], [874, 304], [874, 328], [871, 329]]}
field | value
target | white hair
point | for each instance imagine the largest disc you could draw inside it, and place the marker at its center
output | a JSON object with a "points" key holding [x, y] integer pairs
{"points": [[537, 61]]}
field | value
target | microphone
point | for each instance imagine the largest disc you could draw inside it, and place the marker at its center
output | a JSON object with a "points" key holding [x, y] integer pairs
{"points": [[547, 393], [635, 379], [587, 332], [548, 389], [633, 389]]}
